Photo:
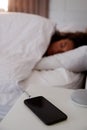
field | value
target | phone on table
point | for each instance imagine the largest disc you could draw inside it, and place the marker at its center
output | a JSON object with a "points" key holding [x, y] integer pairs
{"points": [[45, 110]]}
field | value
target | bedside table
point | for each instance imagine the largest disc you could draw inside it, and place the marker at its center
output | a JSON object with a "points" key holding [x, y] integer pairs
{"points": [[21, 118]]}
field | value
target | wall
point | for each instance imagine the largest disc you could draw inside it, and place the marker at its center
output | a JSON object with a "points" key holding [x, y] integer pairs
{"points": [[69, 13]]}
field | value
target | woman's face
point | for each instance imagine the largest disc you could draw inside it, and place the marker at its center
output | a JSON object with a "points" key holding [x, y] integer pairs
{"points": [[60, 46]]}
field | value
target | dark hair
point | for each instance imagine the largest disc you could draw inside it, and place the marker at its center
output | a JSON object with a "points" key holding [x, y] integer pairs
{"points": [[79, 38]]}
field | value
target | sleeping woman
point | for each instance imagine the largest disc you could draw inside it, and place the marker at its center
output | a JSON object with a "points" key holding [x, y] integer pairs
{"points": [[62, 42]]}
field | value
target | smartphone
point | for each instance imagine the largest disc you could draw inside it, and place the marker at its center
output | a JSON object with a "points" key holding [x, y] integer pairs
{"points": [[45, 110]]}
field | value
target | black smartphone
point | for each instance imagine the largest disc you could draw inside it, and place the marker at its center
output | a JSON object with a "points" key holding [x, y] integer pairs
{"points": [[45, 110]]}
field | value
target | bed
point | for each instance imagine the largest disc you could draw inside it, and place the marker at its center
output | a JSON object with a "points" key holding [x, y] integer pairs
{"points": [[24, 38]]}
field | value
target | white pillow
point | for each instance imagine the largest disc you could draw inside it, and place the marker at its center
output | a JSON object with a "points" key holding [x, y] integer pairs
{"points": [[74, 60], [23, 40]]}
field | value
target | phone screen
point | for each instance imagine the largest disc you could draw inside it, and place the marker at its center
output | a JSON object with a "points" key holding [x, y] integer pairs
{"points": [[45, 110]]}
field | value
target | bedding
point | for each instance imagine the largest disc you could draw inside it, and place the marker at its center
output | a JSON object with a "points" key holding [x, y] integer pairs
{"points": [[59, 77], [23, 41], [9, 93]]}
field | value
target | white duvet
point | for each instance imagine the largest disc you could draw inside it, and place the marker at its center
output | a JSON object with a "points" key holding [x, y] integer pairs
{"points": [[24, 39]]}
